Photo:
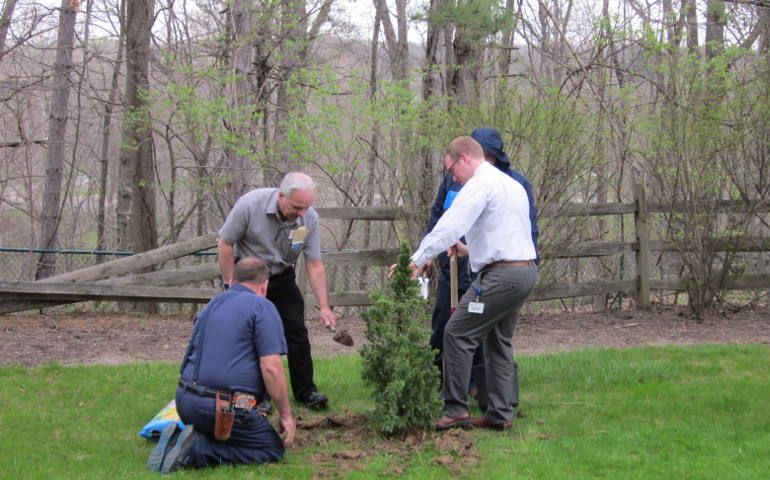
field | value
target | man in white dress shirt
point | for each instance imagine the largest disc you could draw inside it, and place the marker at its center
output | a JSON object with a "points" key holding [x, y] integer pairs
{"points": [[492, 211]]}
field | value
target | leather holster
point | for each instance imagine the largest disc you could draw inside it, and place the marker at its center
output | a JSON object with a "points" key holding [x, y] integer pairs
{"points": [[224, 417]]}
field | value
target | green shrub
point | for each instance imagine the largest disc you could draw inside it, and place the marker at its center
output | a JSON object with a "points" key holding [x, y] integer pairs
{"points": [[397, 362]]}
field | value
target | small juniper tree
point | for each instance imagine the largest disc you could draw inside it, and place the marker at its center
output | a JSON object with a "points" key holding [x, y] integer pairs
{"points": [[397, 362]]}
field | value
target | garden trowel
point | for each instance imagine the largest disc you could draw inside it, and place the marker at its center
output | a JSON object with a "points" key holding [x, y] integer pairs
{"points": [[342, 336]]}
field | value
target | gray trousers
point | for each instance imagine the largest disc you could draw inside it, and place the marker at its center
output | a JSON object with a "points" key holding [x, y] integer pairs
{"points": [[503, 292]]}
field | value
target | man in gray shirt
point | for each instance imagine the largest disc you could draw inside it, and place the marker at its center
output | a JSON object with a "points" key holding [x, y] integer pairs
{"points": [[276, 225]]}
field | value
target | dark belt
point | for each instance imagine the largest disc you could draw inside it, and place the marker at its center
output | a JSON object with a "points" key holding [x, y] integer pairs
{"points": [[202, 391], [286, 271], [512, 263], [243, 400]]}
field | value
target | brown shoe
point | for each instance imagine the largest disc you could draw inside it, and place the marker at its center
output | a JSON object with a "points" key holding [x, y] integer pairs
{"points": [[484, 422], [445, 422]]}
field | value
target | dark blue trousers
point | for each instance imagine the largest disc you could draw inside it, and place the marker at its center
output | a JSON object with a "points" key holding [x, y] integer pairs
{"points": [[253, 439]]}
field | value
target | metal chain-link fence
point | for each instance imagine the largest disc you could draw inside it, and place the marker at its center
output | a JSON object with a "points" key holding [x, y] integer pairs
{"points": [[20, 264]]}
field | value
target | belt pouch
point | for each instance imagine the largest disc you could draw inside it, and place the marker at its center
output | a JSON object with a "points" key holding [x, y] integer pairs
{"points": [[224, 417]]}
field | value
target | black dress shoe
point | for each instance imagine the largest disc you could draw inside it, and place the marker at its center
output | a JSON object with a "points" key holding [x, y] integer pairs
{"points": [[314, 400]]}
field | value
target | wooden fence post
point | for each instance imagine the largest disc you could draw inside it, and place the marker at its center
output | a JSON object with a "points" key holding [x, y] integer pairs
{"points": [[641, 217]]}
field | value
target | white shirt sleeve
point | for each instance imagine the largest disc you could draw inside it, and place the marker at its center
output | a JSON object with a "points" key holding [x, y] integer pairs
{"points": [[454, 223]]}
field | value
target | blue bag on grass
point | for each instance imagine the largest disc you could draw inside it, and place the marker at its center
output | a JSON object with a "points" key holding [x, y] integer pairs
{"points": [[167, 414]]}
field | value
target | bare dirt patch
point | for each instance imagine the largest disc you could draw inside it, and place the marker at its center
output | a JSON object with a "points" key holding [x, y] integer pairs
{"points": [[111, 339], [457, 446]]}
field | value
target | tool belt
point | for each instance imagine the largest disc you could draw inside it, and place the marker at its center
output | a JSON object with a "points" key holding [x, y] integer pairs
{"points": [[200, 390], [242, 400], [225, 405]]}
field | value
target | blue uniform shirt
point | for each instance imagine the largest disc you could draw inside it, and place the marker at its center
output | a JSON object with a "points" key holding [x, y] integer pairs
{"points": [[242, 328]]}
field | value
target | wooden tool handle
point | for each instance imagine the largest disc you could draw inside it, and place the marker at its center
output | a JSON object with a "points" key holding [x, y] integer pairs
{"points": [[453, 281]]}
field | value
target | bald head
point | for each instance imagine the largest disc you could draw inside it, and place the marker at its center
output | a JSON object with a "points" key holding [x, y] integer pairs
{"points": [[253, 274]]}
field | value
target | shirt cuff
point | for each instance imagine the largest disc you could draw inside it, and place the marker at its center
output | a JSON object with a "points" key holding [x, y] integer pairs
{"points": [[416, 259]]}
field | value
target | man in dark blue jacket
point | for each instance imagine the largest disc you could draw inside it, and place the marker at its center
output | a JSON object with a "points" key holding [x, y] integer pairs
{"points": [[492, 144]]}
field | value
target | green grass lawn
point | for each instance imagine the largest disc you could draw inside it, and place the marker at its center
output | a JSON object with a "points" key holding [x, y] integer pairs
{"points": [[678, 413]]}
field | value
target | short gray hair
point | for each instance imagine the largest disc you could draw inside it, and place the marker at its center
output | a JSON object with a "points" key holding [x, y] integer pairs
{"points": [[250, 269], [295, 180]]}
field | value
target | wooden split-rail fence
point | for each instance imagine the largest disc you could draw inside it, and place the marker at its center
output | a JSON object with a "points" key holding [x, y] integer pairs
{"points": [[120, 280]]}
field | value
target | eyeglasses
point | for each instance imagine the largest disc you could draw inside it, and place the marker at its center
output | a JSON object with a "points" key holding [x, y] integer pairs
{"points": [[451, 167]]}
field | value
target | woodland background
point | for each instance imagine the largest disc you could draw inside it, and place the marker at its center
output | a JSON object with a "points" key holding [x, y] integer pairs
{"points": [[129, 124]]}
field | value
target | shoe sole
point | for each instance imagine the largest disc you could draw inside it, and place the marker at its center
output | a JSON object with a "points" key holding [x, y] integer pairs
{"points": [[315, 405], [457, 424], [493, 426], [155, 461], [172, 461]]}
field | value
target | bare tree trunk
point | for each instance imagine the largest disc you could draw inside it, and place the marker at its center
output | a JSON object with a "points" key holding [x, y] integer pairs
{"points": [[764, 35], [82, 81], [463, 61], [143, 209], [715, 28], [504, 62], [5, 23], [136, 222], [692, 26], [292, 28], [242, 58], [545, 39], [263, 68], [295, 49], [104, 157], [465, 81], [396, 39], [201, 176], [430, 78], [282, 162], [716, 20], [432, 89], [363, 283], [602, 78], [57, 127], [137, 225], [668, 22]]}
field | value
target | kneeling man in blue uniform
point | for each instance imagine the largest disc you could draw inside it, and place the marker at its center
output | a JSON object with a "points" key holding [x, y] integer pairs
{"points": [[232, 361]]}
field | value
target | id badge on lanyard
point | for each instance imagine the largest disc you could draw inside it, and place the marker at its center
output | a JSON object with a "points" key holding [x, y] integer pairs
{"points": [[477, 306]]}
